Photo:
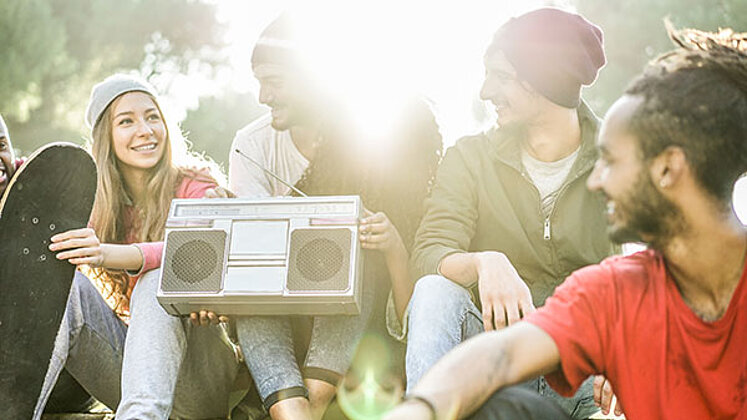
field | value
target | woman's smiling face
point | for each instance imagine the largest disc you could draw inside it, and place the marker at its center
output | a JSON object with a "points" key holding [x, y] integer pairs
{"points": [[138, 131]]}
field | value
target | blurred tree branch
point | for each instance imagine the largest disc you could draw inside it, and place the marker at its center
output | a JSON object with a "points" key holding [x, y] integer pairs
{"points": [[54, 51]]}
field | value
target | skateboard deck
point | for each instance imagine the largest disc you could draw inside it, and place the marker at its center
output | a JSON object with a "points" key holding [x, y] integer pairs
{"points": [[51, 193]]}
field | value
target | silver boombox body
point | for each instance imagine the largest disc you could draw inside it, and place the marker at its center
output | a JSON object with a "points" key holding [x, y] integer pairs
{"points": [[286, 255]]}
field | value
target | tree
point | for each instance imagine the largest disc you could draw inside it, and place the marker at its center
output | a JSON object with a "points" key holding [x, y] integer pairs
{"points": [[58, 49], [211, 127], [634, 34]]}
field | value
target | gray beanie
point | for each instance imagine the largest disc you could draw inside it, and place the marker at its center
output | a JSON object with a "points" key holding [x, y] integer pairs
{"points": [[107, 91], [3, 128]]}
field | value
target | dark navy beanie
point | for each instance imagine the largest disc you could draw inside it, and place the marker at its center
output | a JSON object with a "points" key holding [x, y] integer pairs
{"points": [[555, 51]]}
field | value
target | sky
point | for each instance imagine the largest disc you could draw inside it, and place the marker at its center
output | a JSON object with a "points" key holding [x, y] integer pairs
{"points": [[430, 48]]}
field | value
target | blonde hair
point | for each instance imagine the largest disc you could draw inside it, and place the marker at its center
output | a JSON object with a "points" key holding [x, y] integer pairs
{"points": [[108, 218]]}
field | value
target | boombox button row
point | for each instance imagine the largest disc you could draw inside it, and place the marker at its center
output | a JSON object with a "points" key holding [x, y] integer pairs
{"points": [[333, 221]]}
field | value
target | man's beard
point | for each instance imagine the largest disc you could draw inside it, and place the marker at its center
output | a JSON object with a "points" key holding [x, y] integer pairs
{"points": [[650, 217]]}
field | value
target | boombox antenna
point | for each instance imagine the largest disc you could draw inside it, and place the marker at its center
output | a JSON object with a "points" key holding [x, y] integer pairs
{"points": [[272, 174]]}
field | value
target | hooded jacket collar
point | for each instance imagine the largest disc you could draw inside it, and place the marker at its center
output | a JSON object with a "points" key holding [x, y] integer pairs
{"points": [[506, 147]]}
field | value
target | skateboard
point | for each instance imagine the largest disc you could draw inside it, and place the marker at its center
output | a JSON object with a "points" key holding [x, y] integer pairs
{"points": [[51, 193]]}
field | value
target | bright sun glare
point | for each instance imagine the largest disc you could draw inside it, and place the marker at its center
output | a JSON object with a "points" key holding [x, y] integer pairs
{"points": [[387, 51]]}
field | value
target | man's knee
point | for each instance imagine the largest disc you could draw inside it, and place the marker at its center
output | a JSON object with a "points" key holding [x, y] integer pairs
{"points": [[437, 292]]}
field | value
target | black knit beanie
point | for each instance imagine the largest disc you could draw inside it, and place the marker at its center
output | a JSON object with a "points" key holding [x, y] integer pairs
{"points": [[556, 52], [277, 43]]}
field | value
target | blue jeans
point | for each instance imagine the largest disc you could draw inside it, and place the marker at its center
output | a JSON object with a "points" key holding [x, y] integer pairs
{"points": [[518, 403], [267, 344], [89, 344], [442, 315], [170, 367]]}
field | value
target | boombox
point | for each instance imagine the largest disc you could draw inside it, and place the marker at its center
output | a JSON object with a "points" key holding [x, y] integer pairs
{"points": [[284, 255]]}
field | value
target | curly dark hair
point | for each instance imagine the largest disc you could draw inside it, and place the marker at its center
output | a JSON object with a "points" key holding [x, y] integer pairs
{"points": [[396, 184], [695, 98]]}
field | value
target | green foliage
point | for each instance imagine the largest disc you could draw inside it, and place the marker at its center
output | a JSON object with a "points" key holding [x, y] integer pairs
{"points": [[33, 45], [54, 51], [634, 34], [211, 127], [58, 49]]}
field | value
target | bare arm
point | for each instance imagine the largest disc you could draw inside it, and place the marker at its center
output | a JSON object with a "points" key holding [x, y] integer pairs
{"points": [[464, 379], [82, 246], [399, 274], [378, 232], [460, 268]]}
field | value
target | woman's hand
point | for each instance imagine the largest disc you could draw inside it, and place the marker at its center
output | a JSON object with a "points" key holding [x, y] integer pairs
{"points": [[82, 246], [219, 192], [79, 246], [378, 232], [205, 318]]}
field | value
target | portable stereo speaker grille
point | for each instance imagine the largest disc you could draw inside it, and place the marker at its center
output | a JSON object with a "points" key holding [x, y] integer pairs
{"points": [[318, 260], [194, 261], [298, 255]]}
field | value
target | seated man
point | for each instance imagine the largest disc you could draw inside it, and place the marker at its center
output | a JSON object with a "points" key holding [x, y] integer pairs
{"points": [[666, 326], [308, 141], [8, 161], [509, 212]]}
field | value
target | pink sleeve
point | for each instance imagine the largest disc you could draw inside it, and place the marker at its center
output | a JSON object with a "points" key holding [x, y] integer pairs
{"points": [[575, 316], [152, 254], [153, 251], [194, 188]]}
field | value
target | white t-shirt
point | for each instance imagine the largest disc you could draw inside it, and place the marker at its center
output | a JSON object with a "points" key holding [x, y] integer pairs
{"points": [[274, 150], [548, 176]]}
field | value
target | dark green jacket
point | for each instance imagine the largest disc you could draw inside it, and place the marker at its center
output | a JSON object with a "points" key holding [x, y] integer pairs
{"points": [[483, 200]]}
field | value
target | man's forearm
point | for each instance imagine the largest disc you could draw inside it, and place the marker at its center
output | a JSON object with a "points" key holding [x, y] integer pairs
{"points": [[460, 268], [464, 267], [464, 379], [460, 382]]}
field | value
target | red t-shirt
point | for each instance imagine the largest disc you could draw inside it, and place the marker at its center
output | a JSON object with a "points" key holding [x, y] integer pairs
{"points": [[625, 318]]}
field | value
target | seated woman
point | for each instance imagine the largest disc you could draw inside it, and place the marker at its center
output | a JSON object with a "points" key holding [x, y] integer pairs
{"points": [[393, 183], [142, 166]]}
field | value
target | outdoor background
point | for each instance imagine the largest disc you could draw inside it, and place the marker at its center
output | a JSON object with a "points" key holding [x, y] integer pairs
{"points": [[197, 54]]}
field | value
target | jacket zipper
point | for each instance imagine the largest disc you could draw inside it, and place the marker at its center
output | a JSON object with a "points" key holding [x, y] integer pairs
{"points": [[546, 234]]}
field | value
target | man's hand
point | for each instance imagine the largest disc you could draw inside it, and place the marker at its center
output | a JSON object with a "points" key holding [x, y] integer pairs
{"points": [[219, 192], [603, 396], [505, 297], [204, 318]]}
